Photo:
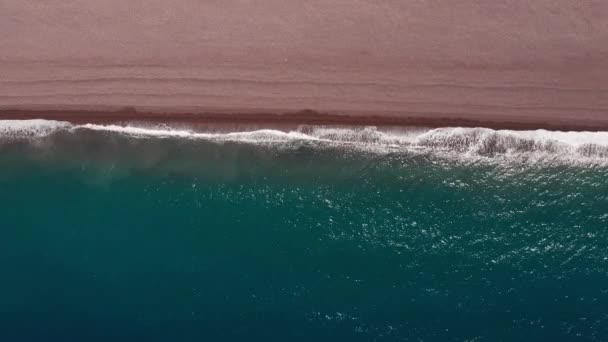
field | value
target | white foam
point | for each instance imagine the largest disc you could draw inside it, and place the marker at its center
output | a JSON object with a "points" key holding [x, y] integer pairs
{"points": [[570, 138], [264, 135], [138, 131], [484, 141], [30, 128], [456, 140]]}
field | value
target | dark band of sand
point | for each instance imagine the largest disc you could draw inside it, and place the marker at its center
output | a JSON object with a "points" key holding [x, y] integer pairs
{"points": [[306, 117]]}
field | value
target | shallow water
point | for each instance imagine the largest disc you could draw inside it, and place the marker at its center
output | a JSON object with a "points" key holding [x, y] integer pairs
{"points": [[320, 234]]}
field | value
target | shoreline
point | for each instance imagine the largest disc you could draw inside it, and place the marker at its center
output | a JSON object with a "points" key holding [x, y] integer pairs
{"points": [[304, 117]]}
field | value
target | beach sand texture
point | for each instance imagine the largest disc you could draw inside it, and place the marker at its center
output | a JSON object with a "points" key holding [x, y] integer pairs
{"points": [[533, 62]]}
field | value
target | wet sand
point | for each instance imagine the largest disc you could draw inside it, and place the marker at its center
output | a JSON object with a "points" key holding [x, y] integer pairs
{"points": [[504, 64], [308, 117]]}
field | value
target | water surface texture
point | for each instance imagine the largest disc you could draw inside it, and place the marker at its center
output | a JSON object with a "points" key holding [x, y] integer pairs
{"points": [[126, 233]]}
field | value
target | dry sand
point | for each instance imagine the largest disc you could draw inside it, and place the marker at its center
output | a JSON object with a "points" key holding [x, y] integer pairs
{"points": [[515, 63]]}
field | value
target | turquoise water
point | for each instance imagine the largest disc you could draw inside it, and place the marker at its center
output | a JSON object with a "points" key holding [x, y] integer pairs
{"points": [[109, 236]]}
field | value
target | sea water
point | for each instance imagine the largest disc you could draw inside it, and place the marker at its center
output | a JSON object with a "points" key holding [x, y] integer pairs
{"points": [[155, 233]]}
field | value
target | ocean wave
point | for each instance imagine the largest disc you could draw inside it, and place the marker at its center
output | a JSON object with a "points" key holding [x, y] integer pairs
{"points": [[30, 128], [480, 142], [484, 141]]}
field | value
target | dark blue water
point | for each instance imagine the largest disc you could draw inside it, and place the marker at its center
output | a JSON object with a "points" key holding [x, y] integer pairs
{"points": [[108, 237]]}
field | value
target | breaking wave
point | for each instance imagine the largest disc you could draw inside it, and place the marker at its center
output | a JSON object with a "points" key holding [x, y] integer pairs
{"points": [[477, 142], [16, 129]]}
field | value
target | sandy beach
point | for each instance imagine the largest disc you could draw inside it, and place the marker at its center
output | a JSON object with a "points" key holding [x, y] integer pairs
{"points": [[502, 64]]}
